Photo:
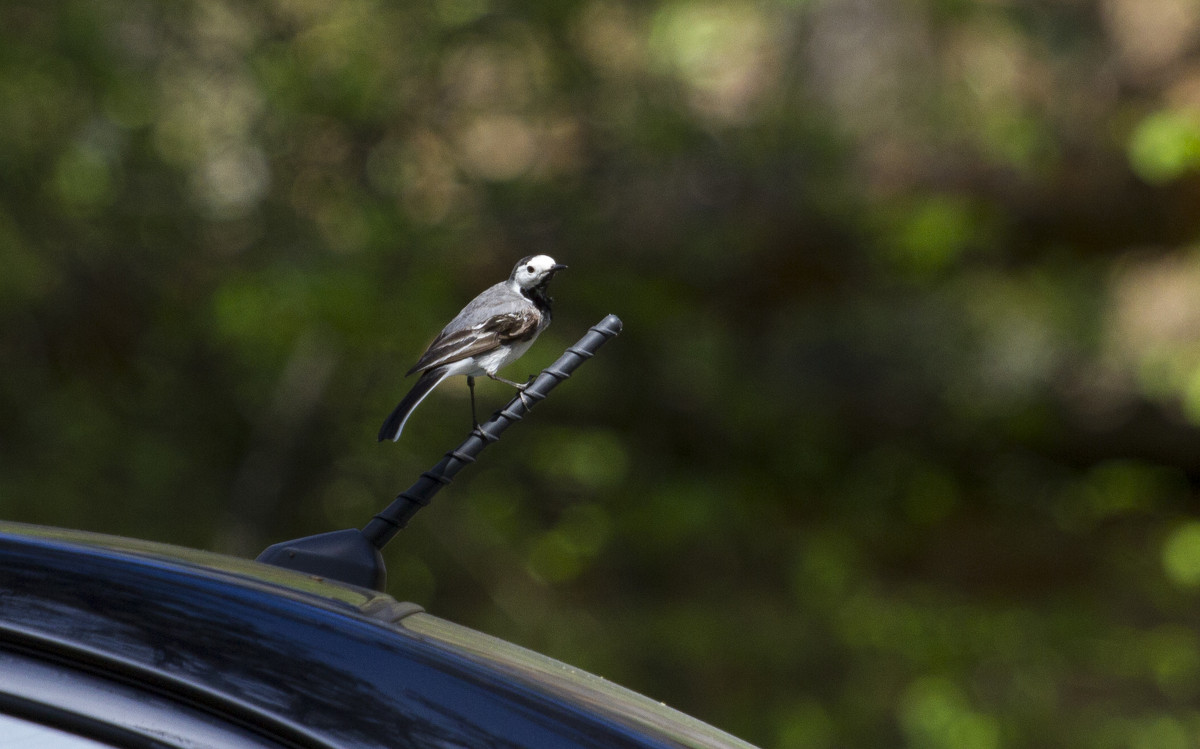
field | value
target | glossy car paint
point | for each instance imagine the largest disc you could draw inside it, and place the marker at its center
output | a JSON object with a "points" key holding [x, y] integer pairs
{"points": [[297, 660]]}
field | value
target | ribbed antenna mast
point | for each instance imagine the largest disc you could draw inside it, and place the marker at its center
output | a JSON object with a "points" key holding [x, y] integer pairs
{"points": [[353, 555]]}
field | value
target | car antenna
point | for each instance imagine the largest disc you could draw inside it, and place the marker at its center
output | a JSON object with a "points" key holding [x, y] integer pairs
{"points": [[353, 555]]}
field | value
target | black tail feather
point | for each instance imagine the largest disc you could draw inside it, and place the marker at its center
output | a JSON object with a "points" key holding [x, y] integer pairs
{"points": [[394, 423]]}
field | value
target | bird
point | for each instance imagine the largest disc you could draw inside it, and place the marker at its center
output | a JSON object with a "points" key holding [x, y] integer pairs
{"points": [[493, 330]]}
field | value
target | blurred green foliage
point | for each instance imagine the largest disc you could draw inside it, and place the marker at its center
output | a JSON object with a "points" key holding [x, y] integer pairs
{"points": [[901, 443]]}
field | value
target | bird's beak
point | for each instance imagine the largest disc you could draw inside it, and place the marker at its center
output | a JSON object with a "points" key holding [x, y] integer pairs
{"points": [[557, 267]]}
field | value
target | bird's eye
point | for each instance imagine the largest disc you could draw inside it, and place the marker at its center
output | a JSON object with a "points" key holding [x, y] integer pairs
{"points": [[529, 269]]}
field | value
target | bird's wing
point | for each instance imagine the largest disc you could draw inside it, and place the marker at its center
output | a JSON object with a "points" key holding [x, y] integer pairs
{"points": [[455, 343]]}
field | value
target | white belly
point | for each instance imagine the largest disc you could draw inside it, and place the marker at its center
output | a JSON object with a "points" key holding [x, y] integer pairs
{"points": [[493, 360]]}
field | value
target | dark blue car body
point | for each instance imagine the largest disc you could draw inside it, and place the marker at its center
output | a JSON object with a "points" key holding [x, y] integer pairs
{"points": [[139, 644]]}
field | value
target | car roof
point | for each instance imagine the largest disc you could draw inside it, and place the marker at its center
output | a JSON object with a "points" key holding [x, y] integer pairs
{"points": [[315, 662]]}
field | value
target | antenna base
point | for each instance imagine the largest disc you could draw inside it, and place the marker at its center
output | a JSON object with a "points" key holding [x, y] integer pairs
{"points": [[344, 555]]}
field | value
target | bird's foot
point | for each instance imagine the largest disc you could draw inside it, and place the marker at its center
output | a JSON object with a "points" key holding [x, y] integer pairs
{"points": [[527, 401]]}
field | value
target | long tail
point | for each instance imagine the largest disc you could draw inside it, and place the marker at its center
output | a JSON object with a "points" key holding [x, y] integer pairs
{"points": [[394, 424]]}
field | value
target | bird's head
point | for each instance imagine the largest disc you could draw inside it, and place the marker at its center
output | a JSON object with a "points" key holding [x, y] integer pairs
{"points": [[534, 271]]}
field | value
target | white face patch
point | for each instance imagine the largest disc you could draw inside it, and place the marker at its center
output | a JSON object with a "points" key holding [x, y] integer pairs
{"points": [[533, 270], [539, 264]]}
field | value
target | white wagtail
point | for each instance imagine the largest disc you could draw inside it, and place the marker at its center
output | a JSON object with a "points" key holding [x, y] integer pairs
{"points": [[492, 331]]}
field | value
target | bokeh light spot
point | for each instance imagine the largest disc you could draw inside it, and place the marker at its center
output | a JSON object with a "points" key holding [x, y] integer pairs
{"points": [[1165, 145], [1181, 554], [934, 713], [82, 178]]}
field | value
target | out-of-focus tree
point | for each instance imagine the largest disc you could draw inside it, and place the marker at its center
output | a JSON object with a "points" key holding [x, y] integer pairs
{"points": [[900, 445]]}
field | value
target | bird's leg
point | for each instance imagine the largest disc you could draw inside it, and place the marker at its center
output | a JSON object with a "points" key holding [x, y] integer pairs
{"points": [[498, 378], [471, 387], [520, 388]]}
